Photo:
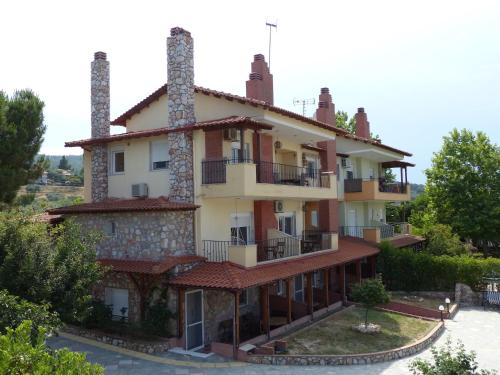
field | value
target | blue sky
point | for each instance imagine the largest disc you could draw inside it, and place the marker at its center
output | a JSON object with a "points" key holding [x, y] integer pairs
{"points": [[418, 68]]}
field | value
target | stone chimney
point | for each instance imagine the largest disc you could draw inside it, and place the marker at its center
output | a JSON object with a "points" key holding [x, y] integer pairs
{"points": [[260, 82], [99, 99], [362, 124], [180, 113], [326, 109]]}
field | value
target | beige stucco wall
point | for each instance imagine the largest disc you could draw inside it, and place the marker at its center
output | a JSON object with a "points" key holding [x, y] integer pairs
{"points": [[137, 169]]}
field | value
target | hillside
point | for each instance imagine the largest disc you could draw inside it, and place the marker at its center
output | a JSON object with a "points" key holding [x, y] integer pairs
{"points": [[76, 161]]}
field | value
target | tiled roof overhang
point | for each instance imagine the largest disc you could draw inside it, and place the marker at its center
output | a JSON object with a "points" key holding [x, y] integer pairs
{"points": [[228, 122], [230, 276], [122, 119], [124, 205], [148, 266], [396, 164], [406, 240]]}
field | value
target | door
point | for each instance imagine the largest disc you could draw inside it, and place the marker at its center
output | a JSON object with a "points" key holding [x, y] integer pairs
{"points": [[352, 229], [299, 288], [194, 320], [287, 223]]}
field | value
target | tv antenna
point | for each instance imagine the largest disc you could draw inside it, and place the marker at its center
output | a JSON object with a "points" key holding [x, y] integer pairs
{"points": [[304, 103], [271, 25]]}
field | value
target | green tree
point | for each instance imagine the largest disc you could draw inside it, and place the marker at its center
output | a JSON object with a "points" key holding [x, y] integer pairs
{"points": [[19, 355], [344, 122], [64, 164], [448, 360], [442, 241], [370, 292], [463, 185], [21, 134]]}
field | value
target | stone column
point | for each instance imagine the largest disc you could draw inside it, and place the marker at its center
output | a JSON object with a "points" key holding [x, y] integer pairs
{"points": [[180, 113], [100, 102]]}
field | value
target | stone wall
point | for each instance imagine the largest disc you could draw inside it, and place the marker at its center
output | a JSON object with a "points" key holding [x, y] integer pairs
{"points": [[465, 296], [355, 359], [143, 235], [100, 122], [180, 113]]}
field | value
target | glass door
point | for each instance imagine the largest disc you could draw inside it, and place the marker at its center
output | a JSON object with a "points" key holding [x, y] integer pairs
{"points": [[287, 223], [194, 320]]}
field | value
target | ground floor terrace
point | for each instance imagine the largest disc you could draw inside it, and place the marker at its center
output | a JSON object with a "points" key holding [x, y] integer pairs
{"points": [[226, 303]]}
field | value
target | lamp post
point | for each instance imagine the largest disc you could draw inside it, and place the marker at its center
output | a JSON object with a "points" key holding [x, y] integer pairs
{"points": [[447, 301], [441, 309]]}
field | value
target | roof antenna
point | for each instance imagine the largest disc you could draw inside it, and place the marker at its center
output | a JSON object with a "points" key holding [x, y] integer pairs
{"points": [[304, 103], [271, 25]]}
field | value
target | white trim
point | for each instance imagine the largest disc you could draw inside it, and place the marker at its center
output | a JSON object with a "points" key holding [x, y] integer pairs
{"points": [[202, 319], [112, 163]]}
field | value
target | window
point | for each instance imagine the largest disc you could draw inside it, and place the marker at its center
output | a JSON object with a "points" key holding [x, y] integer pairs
{"points": [[299, 288], [318, 279], [287, 223], [314, 218], [244, 297], [159, 155], [280, 288], [118, 300], [349, 175], [109, 228], [235, 151], [241, 228], [118, 162]]}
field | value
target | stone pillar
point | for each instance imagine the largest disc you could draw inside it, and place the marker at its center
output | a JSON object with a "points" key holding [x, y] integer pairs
{"points": [[100, 102], [180, 113]]}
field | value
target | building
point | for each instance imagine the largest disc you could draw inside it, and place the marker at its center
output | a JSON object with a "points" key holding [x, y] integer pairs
{"points": [[235, 206]]}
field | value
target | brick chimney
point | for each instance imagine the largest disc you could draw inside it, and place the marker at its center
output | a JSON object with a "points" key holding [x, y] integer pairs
{"points": [[326, 109], [362, 124], [260, 82], [180, 113], [100, 100]]}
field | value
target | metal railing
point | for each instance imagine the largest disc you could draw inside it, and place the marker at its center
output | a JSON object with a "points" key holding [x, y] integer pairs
{"points": [[277, 248], [214, 172], [387, 230], [216, 251], [355, 185], [352, 231]]}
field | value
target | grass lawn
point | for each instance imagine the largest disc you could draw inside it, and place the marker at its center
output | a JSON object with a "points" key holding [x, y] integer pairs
{"points": [[335, 336], [411, 299]]}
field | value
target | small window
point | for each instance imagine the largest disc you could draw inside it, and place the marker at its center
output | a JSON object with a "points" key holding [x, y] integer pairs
{"points": [[244, 297], [314, 218], [118, 162], [118, 300], [299, 288], [159, 155], [280, 288], [110, 228]]}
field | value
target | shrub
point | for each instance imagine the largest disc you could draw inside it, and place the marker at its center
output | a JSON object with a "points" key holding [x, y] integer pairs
{"points": [[52, 197], [404, 269], [32, 188], [25, 199], [99, 315], [369, 293], [19, 355], [442, 241]]}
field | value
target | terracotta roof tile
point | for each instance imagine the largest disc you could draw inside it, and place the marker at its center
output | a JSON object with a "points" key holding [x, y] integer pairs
{"points": [[406, 240], [232, 121], [149, 266], [227, 275], [123, 205], [122, 119]]}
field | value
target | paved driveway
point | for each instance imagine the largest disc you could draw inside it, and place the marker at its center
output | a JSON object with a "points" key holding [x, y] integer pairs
{"points": [[479, 330]]}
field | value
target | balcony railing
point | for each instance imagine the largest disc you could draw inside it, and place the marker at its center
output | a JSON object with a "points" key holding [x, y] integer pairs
{"points": [[387, 230], [355, 185], [214, 172]]}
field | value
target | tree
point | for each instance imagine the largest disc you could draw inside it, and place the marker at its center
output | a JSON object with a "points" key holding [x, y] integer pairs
{"points": [[442, 241], [19, 355], [463, 185], [21, 134], [370, 292], [448, 361], [64, 164]]}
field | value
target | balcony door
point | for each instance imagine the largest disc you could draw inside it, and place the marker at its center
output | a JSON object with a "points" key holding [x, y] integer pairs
{"points": [[194, 320], [287, 223], [242, 228], [352, 229]]}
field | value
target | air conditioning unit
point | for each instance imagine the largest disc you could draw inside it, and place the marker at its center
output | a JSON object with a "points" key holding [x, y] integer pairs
{"points": [[278, 206], [231, 134], [140, 190], [346, 163]]}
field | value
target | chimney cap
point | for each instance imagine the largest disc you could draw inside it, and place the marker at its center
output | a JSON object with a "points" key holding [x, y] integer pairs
{"points": [[179, 31], [325, 90], [99, 55], [361, 110], [259, 57]]}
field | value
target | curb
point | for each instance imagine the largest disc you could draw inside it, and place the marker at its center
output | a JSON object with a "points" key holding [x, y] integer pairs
{"points": [[149, 357]]}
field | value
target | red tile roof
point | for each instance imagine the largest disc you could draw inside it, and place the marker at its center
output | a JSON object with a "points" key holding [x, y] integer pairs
{"points": [[123, 205], [406, 240], [227, 275], [122, 119], [149, 266], [45, 217], [232, 121]]}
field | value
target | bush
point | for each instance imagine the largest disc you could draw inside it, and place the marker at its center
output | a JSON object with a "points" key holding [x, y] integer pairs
{"points": [[157, 318], [25, 199], [442, 241], [52, 197], [404, 269], [32, 188], [369, 293], [18, 355], [99, 315]]}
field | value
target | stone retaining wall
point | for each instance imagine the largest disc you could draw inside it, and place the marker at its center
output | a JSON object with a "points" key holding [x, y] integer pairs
{"points": [[465, 296], [354, 359], [156, 346]]}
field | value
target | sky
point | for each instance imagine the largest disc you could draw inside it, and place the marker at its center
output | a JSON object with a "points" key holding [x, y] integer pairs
{"points": [[419, 69]]}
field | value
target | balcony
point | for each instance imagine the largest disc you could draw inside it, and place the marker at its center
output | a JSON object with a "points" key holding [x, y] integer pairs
{"points": [[278, 246], [376, 233], [265, 180], [358, 189]]}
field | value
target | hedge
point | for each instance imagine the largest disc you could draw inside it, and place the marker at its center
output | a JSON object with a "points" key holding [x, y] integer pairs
{"points": [[405, 269]]}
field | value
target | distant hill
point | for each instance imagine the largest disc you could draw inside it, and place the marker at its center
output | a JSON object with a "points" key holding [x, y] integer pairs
{"points": [[76, 161], [416, 189]]}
